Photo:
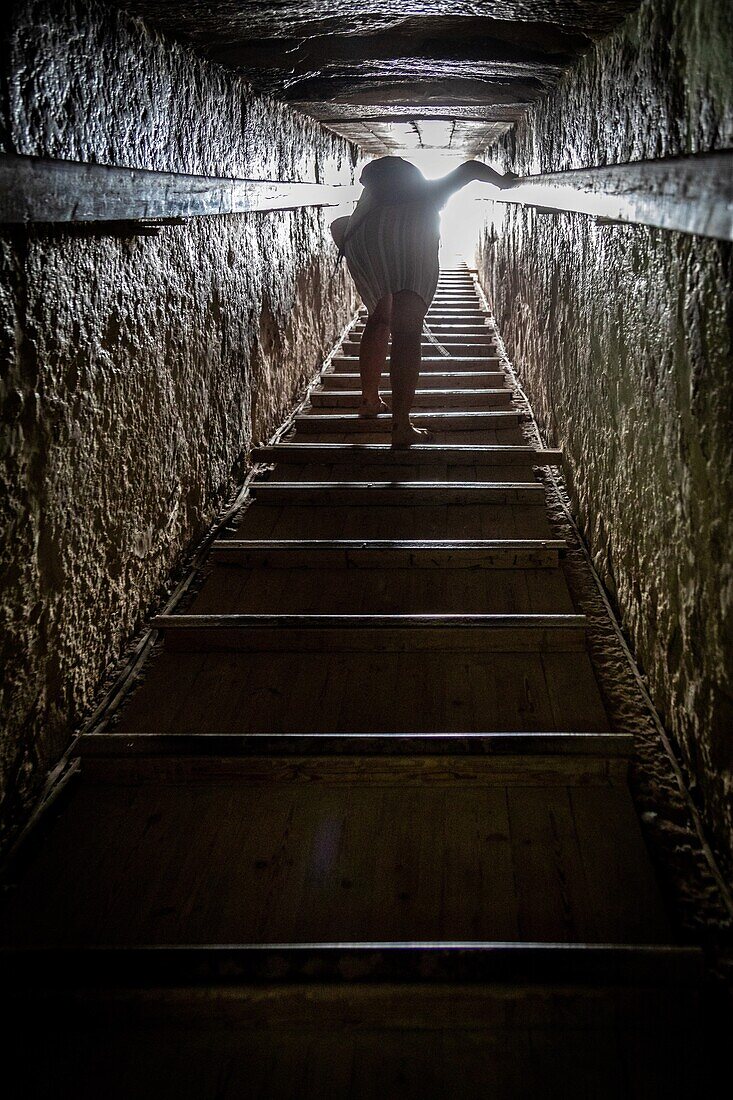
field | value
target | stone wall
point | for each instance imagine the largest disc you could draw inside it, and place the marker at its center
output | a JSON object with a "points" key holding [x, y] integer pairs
{"points": [[137, 371], [622, 336]]}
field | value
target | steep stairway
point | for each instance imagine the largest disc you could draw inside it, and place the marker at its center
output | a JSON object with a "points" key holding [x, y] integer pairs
{"points": [[363, 827]]}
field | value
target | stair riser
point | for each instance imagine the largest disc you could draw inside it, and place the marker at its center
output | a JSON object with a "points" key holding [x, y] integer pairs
{"points": [[454, 349], [454, 381], [369, 496], [491, 399], [383, 558], [349, 364], [477, 335], [455, 422], [364, 454]]}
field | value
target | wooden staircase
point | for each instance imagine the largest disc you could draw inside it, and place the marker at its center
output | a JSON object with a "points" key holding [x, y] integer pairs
{"points": [[363, 828]]}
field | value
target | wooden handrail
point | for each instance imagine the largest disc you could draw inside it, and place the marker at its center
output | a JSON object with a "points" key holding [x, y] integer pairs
{"points": [[691, 194], [55, 191]]}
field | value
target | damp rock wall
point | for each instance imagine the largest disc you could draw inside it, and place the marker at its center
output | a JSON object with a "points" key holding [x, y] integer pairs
{"points": [[622, 337], [137, 371]]}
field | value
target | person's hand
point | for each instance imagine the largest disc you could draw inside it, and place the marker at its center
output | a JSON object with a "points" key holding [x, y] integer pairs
{"points": [[508, 179]]}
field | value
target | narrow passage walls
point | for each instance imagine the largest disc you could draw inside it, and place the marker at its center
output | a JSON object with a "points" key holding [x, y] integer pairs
{"points": [[623, 338], [136, 370]]}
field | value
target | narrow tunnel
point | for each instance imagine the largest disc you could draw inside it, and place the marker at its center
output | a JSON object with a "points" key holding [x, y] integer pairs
{"points": [[331, 767]]}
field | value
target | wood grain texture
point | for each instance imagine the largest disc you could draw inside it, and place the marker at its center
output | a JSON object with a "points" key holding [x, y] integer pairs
{"points": [[363, 824]]}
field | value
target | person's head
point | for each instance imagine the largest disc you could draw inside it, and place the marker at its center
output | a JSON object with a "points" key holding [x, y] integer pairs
{"points": [[390, 174]]}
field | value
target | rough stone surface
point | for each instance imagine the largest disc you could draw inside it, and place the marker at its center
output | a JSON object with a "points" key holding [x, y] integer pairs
{"points": [[622, 336], [449, 53], [204, 22], [137, 371]]}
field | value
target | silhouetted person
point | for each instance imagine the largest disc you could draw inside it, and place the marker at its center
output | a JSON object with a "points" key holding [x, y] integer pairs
{"points": [[391, 247]]}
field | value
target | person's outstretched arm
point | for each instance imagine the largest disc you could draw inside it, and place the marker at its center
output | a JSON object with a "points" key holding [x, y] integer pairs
{"points": [[469, 172]]}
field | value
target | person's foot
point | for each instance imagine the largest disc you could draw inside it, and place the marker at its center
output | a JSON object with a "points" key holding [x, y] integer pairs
{"points": [[406, 436], [373, 408]]}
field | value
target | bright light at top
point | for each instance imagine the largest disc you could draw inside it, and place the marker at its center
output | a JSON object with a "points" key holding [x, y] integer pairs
{"points": [[434, 163]]}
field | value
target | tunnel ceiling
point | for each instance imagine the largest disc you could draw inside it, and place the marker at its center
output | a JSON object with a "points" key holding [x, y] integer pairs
{"points": [[436, 74]]}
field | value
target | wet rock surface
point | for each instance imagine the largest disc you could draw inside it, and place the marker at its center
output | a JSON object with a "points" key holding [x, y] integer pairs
{"points": [[137, 370], [623, 339]]}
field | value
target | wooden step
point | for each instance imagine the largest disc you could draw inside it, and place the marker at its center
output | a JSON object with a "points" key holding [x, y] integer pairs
{"points": [[446, 380], [425, 398], [375, 554], [409, 1039], [111, 744], [453, 336], [436, 421], [466, 333], [381, 633], [483, 349], [453, 312], [457, 301], [342, 767], [472, 962], [403, 494], [474, 759], [430, 363], [453, 315], [383, 453]]}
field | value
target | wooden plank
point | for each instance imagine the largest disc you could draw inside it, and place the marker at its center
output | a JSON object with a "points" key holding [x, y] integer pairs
{"points": [[446, 328], [436, 421], [621, 891], [602, 745], [457, 454], [573, 693], [349, 362], [549, 865], [483, 521], [690, 194], [260, 692], [442, 399], [357, 633], [473, 309], [447, 336], [397, 494], [431, 1007], [473, 963], [344, 590], [456, 348], [451, 380], [34, 189], [348, 554], [354, 771]]}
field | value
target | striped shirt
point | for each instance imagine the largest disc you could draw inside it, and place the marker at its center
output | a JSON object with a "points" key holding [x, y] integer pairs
{"points": [[393, 246]]}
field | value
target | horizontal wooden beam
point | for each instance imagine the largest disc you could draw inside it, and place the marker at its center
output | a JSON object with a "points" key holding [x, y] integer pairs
{"points": [[424, 398], [397, 494], [55, 191], [454, 380], [428, 365], [369, 633], [354, 744], [344, 423], [382, 454], [471, 962], [372, 769], [397, 554], [692, 194]]}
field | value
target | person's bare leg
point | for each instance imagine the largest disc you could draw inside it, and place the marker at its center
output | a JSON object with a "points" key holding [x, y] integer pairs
{"points": [[373, 357], [408, 311]]}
